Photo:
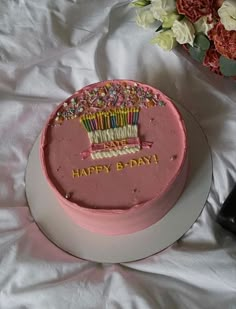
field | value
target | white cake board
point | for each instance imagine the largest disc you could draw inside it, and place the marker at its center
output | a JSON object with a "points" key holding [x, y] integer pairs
{"points": [[62, 231]]}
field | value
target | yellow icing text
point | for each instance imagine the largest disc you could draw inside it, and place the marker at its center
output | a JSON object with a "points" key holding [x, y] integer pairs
{"points": [[118, 166], [87, 171], [115, 144], [145, 160]]}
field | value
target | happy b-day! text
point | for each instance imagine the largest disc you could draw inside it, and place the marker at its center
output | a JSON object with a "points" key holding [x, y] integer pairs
{"points": [[119, 166]]}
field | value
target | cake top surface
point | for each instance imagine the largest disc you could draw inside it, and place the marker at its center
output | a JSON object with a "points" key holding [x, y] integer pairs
{"points": [[122, 181]]}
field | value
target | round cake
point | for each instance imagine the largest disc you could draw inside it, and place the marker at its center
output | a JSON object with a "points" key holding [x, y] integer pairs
{"points": [[115, 156]]}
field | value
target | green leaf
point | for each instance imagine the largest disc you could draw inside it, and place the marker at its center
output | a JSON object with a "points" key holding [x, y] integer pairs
{"points": [[159, 28], [197, 53], [201, 41], [141, 3], [227, 66]]}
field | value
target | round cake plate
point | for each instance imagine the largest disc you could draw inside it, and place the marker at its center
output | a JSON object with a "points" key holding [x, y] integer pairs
{"points": [[62, 231]]}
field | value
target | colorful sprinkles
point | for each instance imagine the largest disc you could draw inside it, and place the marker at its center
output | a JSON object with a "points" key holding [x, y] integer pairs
{"points": [[107, 99]]}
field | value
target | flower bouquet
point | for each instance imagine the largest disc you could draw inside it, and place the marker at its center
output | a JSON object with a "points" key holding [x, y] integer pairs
{"points": [[205, 28]]}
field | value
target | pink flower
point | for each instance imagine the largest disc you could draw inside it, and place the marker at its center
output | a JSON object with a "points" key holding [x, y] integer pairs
{"points": [[194, 9], [224, 40], [211, 60]]}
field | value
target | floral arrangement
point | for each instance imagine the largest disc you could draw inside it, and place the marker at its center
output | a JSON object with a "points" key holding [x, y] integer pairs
{"points": [[205, 28]]}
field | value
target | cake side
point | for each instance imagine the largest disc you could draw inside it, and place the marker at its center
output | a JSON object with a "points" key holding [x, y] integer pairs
{"points": [[139, 217]]}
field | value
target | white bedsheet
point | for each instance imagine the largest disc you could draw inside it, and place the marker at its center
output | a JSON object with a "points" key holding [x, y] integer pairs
{"points": [[48, 50]]}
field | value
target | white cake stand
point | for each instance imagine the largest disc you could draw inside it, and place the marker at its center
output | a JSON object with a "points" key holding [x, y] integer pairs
{"points": [[62, 231]]}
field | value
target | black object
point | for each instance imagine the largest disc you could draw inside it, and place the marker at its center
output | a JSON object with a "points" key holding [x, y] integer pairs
{"points": [[227, 214]]}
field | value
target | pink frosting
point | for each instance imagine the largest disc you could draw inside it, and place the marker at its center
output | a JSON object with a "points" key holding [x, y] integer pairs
{"points": [[124, 201]]}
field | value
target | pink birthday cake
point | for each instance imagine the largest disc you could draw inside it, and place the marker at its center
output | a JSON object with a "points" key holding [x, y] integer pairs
{"points": [[115, 156]]}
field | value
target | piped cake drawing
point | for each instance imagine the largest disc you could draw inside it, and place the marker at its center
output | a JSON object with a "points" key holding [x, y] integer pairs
{"points": [[113, 132], [115, 155]]}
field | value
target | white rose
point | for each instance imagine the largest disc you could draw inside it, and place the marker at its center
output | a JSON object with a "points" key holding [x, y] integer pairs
{"points": [[202, 25], [184, 31], [165, 40], [168, 20], [227, 13], [161, 8], [144, 18]]}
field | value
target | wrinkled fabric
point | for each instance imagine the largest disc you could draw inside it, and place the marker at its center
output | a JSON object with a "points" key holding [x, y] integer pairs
{"points": [[49, 49]]}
